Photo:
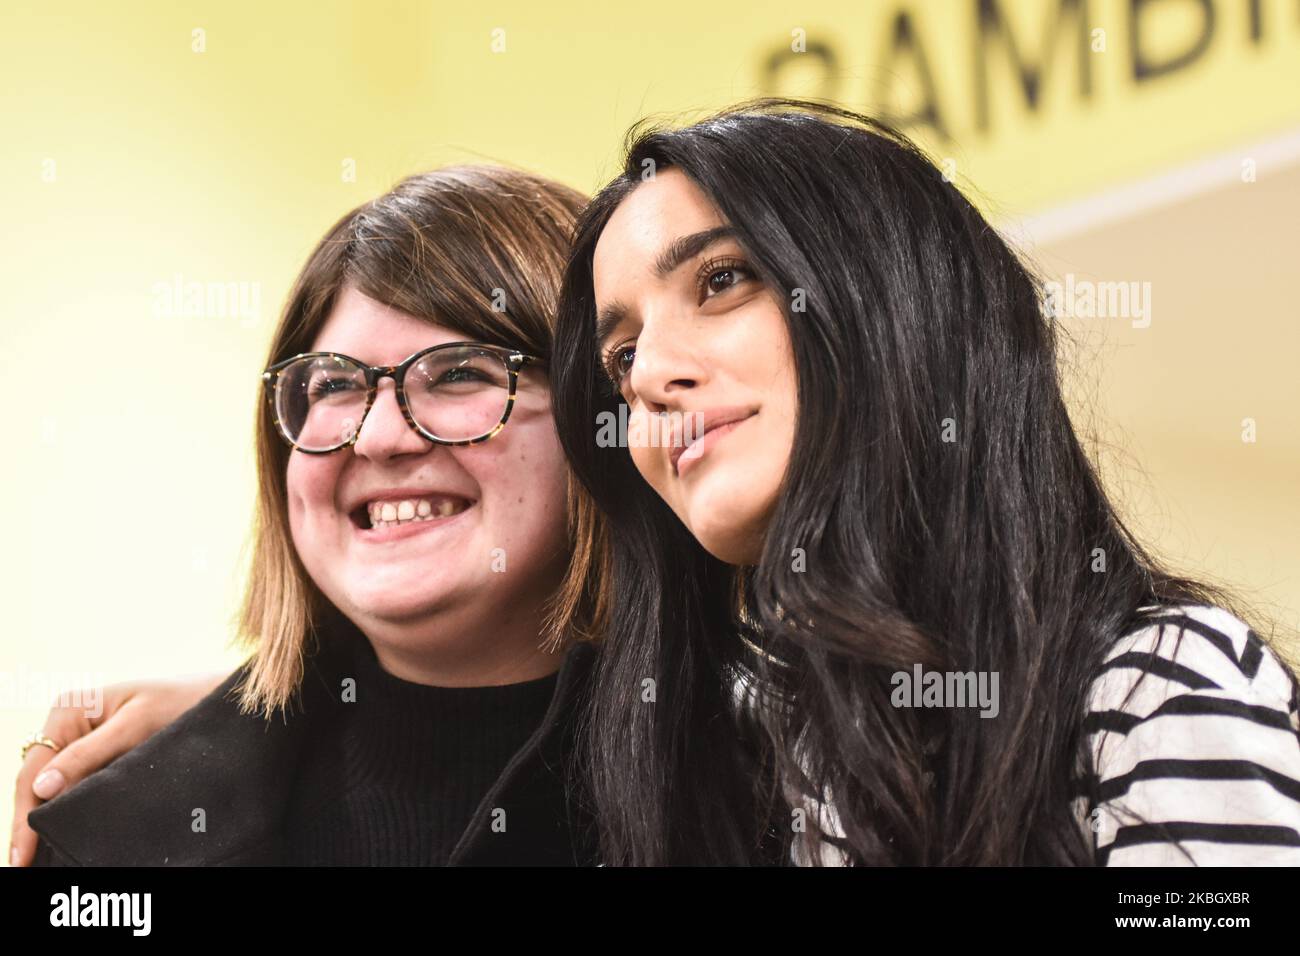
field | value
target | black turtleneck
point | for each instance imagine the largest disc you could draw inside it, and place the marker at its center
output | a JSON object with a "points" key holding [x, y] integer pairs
{"points": [[393, 778]]}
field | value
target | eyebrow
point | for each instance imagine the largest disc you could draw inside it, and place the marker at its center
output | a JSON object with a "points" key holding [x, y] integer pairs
{"points": [[677, 252], [685, 247], [608, 319]]}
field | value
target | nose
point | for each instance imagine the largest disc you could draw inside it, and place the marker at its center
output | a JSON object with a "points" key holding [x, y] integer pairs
{"points": [[666, 366], [384, 431]]}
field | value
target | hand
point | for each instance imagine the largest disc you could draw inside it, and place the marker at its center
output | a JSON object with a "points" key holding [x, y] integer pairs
{"points": [[132, 713]]}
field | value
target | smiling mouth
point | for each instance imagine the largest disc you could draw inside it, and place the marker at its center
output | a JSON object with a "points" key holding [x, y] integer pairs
{"points": [[394, 513], [684, 456]]}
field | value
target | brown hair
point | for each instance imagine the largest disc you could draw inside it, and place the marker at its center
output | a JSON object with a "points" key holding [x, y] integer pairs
{"points": [[446, 246]]}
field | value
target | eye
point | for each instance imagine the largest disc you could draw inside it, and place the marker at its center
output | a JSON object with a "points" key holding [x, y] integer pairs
{"points": [[719, 275], [325, 386], [461, 375], [617, 362]]}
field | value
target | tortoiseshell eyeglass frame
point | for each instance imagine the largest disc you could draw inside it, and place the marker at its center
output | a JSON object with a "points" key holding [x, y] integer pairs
{"points": [[513, 359]]}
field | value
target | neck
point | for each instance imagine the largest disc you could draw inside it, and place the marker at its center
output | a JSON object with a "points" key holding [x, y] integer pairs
{"points": [[464, 647]]}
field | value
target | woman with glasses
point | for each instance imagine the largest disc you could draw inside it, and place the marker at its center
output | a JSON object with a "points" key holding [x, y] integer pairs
{"points": [[417, 598]]}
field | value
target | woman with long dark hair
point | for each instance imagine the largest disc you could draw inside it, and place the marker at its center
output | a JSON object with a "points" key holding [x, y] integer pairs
{"points": [[873, 497]]}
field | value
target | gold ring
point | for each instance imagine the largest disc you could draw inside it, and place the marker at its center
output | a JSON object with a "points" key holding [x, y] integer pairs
{"points": [[38, 739]]}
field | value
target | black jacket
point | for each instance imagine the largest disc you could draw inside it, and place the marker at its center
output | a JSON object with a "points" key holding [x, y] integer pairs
{"points": [[137, 810]]}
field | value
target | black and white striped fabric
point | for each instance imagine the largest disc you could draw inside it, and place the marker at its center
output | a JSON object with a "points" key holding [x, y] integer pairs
{"points": [[1194, 731], [1194, 728]]}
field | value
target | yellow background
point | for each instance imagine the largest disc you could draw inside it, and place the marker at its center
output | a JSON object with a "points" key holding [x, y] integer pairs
{"points": [[130, 159]]}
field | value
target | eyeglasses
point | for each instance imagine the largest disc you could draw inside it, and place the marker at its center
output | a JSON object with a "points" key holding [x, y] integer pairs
{"points": [[460, 393]]}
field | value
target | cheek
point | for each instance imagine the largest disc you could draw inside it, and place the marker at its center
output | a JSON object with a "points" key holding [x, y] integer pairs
{"points": [[310, 482], [777, 381], [523, 488], [643, 459], [652, 462], [780, 411], [646, 446]]}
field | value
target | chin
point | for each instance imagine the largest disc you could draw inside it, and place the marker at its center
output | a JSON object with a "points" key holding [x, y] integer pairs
{"points": [[392, 602], [729, 528], [724, 551], [731, 544], [395, 611]]}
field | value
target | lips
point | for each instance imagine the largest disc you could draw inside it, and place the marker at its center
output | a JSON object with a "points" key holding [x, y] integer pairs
{"points": [[715, 419]]}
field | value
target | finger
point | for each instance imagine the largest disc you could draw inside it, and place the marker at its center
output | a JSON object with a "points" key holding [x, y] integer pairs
{"points": [[62, 724], [44, 773], [22, 838], [89, 753]]}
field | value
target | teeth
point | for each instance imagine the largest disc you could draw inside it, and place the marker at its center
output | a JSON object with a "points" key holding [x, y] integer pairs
{"points": [[389, 513]]}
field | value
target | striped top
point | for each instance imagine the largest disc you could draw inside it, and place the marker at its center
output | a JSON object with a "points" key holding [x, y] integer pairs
{"points": [[1194, 733]]}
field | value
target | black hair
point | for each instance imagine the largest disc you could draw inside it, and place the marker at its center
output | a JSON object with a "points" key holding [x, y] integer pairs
{"points": [[975, 554]]}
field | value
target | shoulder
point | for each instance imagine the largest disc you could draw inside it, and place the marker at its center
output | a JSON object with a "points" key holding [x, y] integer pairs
{"points": [[1197, 648], [143, 808], [1193, 728]]}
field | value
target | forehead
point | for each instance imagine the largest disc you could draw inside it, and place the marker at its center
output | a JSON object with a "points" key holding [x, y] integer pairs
{"points": [[655, 213], [377, 334]]}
